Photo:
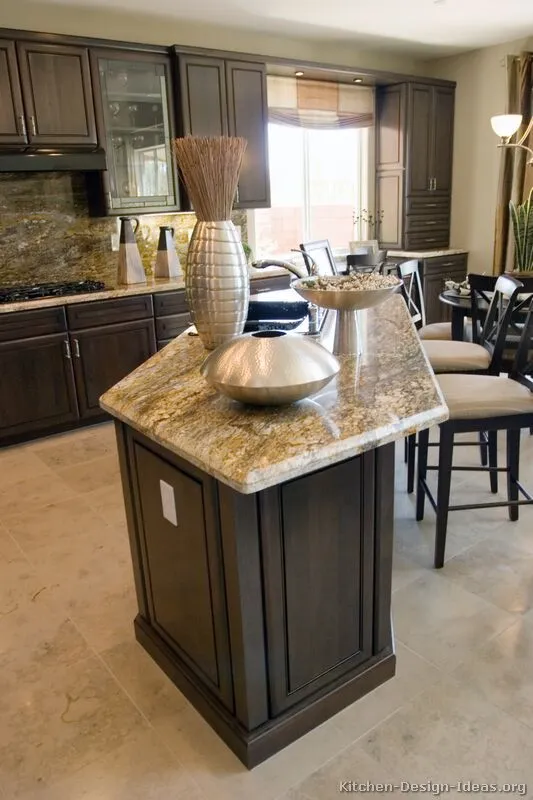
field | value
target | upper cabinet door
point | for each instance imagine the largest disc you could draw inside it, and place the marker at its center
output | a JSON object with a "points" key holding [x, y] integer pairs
{"points": [[390, 127], [420, 139], [443, 107], [56, 85], [248, 117], [12, 122], [203, 96], [135, 121]]}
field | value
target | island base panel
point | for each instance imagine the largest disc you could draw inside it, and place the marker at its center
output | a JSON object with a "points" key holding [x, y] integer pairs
{"points": [[253, 747], [270, 611]]}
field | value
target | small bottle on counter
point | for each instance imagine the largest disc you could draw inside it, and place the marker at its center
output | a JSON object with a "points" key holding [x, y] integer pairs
{"points": [[313, 319]]}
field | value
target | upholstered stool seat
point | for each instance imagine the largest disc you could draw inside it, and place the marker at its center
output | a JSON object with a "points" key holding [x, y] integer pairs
{"points": [[454, 356], [443, 331], [483, 396]]}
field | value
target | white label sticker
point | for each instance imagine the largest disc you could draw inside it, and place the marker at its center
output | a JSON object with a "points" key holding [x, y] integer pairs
{"points": [[168, 502]]}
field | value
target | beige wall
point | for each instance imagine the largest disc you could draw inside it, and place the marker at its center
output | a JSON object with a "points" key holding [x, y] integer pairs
{"points": [[131, 26], [481, 92]]}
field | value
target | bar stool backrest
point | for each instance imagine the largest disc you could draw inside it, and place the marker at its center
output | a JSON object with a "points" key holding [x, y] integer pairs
{"points": [[522, 369], [320, 250], [498, 318], [367, 262], [409, 273]]}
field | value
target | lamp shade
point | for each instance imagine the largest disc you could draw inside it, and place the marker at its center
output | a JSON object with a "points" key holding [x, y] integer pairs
{"points": [[505, 125]]}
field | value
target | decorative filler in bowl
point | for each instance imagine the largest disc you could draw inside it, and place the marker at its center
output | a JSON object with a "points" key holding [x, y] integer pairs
{"points": [[347, 294], [216, 279], [269, 368]]}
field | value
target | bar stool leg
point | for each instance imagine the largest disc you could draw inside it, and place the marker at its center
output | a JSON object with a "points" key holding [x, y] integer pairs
{"points": [[443, 492], [483, 449], [423, 447], [513, 465], [493, 461], [411, 451]]}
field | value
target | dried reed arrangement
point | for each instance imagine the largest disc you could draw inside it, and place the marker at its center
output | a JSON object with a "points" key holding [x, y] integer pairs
{"points": [[210, 167]]}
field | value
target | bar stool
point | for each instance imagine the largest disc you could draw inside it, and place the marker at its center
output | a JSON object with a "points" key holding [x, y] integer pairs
{"points": [[469, 357], [480, 403]]}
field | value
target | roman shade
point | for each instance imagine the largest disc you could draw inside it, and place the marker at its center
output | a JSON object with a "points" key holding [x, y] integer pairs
{"points": [[318, 104]]}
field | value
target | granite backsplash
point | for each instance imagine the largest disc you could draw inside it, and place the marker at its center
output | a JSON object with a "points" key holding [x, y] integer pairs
{"points": [[47, 235]]}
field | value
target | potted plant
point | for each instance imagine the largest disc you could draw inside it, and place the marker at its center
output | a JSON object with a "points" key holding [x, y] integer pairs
{"points": [[522, 220]]}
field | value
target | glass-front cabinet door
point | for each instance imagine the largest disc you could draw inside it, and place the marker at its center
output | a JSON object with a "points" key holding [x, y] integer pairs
{"points": [[136, 128]]}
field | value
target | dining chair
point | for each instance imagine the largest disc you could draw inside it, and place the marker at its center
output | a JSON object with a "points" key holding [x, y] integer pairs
{"points": [[469, 357], [478, 403], [372, 261], [321, 252]]}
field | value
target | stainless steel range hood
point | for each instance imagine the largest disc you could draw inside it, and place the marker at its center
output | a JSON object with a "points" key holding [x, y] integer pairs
{"points": [[53, 160]]}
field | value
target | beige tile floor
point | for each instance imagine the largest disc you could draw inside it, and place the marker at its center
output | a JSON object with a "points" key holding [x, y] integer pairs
{"points": [[85, 713]]}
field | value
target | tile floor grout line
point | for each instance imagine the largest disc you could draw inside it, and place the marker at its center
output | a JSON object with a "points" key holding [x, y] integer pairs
{"points": [[158, 736]]}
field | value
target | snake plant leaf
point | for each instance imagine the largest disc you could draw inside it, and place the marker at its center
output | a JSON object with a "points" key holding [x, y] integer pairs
{"points": [[522, 222]]}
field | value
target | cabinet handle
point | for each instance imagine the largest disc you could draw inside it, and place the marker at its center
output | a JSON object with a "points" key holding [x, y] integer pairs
{"points": [[22, 123], [76, 348], [430, 205], [66, 345], [434, 184], [237, 195], [432, 222], [33, 126]]}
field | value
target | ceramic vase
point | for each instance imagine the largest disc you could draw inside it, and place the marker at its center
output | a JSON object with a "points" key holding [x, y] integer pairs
{"points": [[217, 282], [130, 267], [167, 263]]}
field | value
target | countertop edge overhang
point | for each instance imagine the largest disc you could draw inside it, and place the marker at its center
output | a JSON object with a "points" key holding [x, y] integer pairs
{"points": [[394, 395]]}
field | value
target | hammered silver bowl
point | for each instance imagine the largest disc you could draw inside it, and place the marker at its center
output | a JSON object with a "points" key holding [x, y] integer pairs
{"points": [[346, 302], [269, 368]]}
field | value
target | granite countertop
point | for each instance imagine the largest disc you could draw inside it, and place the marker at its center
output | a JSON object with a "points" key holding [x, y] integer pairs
{"points": [[152, 286], [425, 253], [386, 394]]}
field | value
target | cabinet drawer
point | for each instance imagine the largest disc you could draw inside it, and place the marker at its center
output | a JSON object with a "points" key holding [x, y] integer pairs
{"points": [[258, 285], [443, 265], [427, 205], [427, 240], [26, 324], [107, 312], [169, 327], [168, 303], [430, 223]]}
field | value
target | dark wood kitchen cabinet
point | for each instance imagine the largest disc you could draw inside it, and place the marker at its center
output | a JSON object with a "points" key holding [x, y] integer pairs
{"points": [[222, 97], [57, 94], [414, 164], [37, 390], [12, 119], [104, 355]]}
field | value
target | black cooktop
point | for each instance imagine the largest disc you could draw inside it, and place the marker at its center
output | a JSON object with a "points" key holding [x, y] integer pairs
{"points": [[18, 294]]}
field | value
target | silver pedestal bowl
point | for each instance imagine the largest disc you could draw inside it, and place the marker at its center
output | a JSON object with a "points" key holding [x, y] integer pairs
{"points": [[347, 303]]}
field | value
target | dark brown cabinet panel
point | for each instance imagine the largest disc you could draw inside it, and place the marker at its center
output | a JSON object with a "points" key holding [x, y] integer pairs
{"points": [[103, 356], [248, 117], [12, 120], [443, 116], [220, 97], [37, 389], [420, 139], [435, 271], [183, 568], [389, 197], [414, 164], [203, 96], [58, 98], [390, 127], [318, 570]]}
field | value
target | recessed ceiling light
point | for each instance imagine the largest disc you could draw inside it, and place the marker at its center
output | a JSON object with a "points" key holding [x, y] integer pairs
{"points": [[358, 80], [299, 74]]}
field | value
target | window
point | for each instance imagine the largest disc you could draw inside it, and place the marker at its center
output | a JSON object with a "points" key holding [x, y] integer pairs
{"points": [[318, 179]]}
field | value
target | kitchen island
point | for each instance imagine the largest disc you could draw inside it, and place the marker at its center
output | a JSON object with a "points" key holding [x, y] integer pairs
{"points": [[261, 538]]}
